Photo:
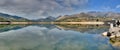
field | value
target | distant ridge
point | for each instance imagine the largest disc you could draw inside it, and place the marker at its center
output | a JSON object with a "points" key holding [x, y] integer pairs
{"points": [[89, 16], [7, 17]]}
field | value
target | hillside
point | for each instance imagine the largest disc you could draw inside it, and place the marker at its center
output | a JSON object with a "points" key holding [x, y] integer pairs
{"points": [[89, 16], [7, 17]]}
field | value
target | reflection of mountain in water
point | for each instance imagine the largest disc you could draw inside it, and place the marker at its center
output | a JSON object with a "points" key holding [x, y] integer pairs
{"points": [[85, 28], [49, 26], [93, 29], [4, 28]]}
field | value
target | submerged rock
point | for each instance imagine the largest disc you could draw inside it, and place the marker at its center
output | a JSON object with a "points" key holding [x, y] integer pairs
{"points": [[115, 42]]}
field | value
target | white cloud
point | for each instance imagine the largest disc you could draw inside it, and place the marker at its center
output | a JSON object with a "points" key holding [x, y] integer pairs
{"points": [[38, 8], [118, 6]]}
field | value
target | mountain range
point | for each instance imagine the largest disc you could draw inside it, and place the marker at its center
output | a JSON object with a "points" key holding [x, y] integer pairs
{"points": [[88, 15], [48, 19], [103, 14], [7, 17]]}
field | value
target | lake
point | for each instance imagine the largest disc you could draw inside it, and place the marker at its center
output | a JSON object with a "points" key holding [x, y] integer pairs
{"points": [[55, 37]]}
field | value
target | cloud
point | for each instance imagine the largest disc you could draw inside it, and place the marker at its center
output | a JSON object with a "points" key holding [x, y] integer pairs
{"points": [[40, 8], [118, 6]]}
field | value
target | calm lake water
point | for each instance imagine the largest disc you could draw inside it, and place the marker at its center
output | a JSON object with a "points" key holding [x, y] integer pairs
{"points": [[53, 37]]}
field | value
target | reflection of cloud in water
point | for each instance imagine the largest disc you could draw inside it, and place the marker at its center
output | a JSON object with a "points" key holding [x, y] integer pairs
{"points": [[41, 38]]}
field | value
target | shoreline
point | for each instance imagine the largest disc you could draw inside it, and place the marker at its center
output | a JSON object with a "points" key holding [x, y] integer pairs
{"points": [[89, 23]]}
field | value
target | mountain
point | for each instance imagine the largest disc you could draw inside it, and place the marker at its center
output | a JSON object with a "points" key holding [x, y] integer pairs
{"points": [[89, 16], [103, 14], [7, 17], [96, 14], [48, 19]]}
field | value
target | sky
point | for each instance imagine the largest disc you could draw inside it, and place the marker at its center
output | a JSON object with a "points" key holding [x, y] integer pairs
{"points": [[35, 9]]}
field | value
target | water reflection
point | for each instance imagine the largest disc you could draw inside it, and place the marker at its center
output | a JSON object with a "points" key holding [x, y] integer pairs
{"points": [[93, 29], [115, 42], [4, 28], [49, 37]]}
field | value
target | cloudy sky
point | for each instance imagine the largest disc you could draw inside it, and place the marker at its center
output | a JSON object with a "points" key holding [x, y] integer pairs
{"points": [[34, 9]]}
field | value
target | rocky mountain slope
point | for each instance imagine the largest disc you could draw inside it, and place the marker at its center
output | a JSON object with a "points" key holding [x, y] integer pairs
{"points": [[89, 16]]}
